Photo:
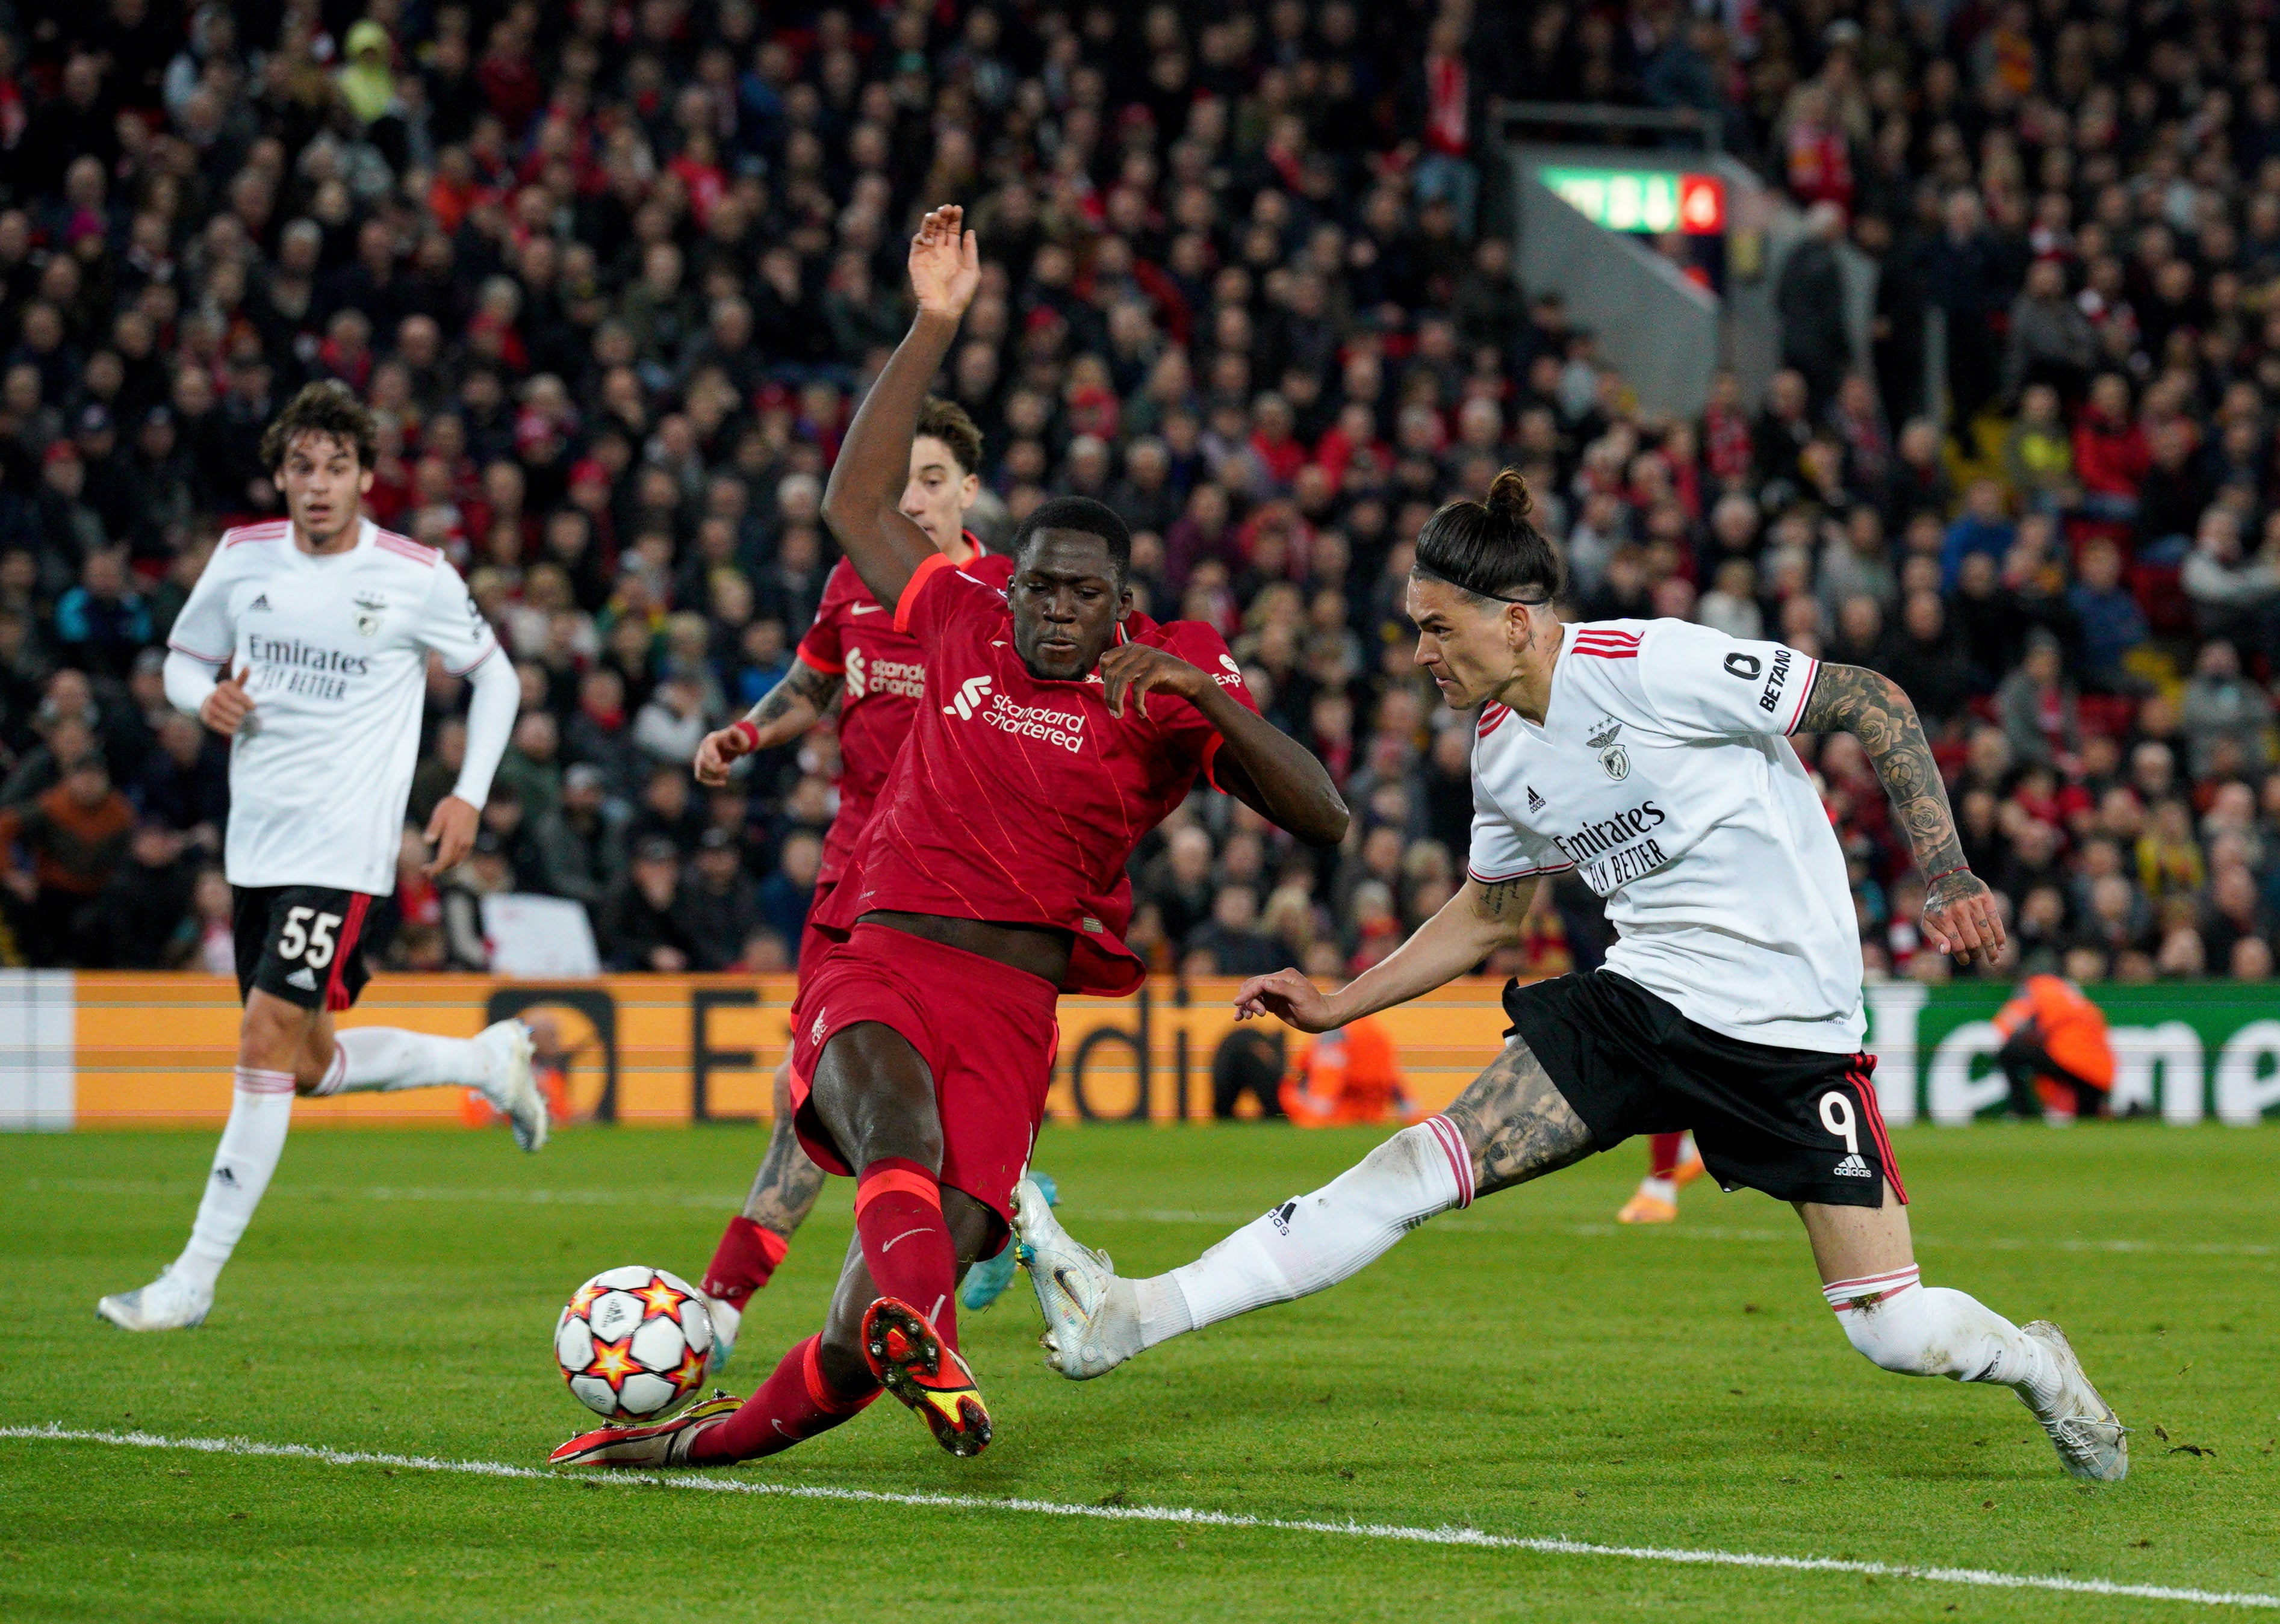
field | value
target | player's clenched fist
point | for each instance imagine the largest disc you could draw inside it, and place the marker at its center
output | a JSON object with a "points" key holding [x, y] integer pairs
{"points": [[945, 263], [226, 708], [721, 748], [1287, 995], [1140, 668]]}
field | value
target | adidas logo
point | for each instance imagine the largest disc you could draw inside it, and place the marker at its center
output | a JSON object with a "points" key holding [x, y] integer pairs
{"points": [[303, 978], [261, 603], [1534, 800], [1853, 1167], [223, 1177]]}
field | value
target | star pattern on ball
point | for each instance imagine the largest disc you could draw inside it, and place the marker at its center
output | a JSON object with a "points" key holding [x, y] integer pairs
{"points": [[584, 1300], [661, 1299], [614, 1362], [689, 1372]]}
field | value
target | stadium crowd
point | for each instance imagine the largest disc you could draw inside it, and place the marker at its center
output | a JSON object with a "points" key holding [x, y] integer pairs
{"points": [[613, 276]]}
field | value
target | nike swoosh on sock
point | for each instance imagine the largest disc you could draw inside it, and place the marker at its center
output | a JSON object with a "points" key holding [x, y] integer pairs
{"points": [[905, 1235]]}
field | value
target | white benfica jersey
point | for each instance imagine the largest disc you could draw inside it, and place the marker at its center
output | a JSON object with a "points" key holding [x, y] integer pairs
{"points": [[1662, 774], [335, 649]]}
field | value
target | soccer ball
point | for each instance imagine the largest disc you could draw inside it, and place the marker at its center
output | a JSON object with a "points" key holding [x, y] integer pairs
{"points": [[632, 1342]]}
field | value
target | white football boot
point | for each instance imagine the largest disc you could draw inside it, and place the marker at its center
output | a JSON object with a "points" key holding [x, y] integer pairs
{"points": [[1092, 1318], [513, 1086], [724, 1321], [169, 1303], [2090, 1438]]}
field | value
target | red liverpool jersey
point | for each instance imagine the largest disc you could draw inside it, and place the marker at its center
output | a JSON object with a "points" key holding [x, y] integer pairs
{"points": [[855, 639], [1019, 801]]}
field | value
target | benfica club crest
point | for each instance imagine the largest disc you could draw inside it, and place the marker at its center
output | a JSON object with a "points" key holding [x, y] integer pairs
{"points": [[1612, 755]]}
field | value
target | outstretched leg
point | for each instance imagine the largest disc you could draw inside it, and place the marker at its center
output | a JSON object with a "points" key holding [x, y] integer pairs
{"points": [[1869, 1277], [826, 1379], [875, 1096], [783, 1192], [1510, 1126]]}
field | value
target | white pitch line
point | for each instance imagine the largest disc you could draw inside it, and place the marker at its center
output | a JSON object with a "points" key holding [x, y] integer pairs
{"points": [[1183, 1516], [1468, 1223]]}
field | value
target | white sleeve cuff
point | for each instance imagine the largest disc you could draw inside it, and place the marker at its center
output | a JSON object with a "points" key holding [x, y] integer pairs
{"points": [[490, 722]]}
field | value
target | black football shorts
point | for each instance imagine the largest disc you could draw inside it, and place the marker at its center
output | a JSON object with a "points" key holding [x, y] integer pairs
{"points": [[304, 943], [1798, 1124]]}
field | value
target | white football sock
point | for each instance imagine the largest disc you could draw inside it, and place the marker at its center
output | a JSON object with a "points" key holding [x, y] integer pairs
{"points": [[1318, 1239], [1921, 1330], [389, 1058], [1662, 1190], [260, 1110]]}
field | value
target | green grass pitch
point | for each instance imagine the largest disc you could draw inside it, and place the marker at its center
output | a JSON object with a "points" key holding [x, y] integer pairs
{"points": [[1525, 1368]]}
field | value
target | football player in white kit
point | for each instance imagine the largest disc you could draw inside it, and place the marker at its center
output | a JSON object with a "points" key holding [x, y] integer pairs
{"points": [[1651, 756], [305, 642]]}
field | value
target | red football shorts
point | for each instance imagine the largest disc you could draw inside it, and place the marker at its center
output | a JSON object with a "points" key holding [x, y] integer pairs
{"points": [[814, 946], [987, 1031]]}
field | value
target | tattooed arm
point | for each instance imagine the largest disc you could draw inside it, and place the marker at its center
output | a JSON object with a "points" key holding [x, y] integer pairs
{"points": [[1470, 926], [1960, 914], [789, 709]]}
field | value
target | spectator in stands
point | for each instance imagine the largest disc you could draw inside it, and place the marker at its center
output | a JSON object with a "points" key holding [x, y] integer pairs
{"points": [[644, 926], [72, 838]]}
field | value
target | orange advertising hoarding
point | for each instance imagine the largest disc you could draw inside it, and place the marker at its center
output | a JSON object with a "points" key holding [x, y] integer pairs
{"points": [[665, 1051]]}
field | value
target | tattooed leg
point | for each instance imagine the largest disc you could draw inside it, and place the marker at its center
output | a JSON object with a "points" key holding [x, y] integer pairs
{"points": [[782, 1193], [785, 1188], [1510, 1125], [1516, 1123]]}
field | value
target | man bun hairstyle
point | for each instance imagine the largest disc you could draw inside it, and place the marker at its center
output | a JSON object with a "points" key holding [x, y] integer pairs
{"points": [[949, 422], [1079, 513], [1489, 549], [330, 408]]}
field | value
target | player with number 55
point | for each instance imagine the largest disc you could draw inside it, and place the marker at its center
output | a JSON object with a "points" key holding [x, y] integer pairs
{"points": [[306, 644]]}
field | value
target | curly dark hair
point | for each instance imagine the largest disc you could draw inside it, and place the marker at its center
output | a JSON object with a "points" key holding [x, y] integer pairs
{"points": [[330, 408], [948, 422]]}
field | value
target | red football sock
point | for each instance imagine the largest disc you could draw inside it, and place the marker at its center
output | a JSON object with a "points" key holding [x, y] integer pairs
{"points": [[905, 1244], [792, 1405], [742, 1262], [1662, 1155]]}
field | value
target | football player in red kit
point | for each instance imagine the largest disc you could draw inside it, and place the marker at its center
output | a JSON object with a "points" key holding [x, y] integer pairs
{"points": [[990, 880], [853, 653]]}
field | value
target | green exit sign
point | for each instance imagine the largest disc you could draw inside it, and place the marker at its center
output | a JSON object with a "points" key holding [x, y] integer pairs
{"points": [[1650, 200]]}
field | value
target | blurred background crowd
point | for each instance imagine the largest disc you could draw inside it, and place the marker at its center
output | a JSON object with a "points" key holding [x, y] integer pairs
{"points": [[613, 276]]}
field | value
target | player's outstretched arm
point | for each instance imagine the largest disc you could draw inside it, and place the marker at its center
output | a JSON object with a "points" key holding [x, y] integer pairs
{"points": [[1960, 914], [1258, 763], [1477, 921], [786, 711], [863, 503]]}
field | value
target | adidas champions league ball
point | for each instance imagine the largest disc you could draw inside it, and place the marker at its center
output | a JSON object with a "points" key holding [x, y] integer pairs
{"points": [[632, 1342]]}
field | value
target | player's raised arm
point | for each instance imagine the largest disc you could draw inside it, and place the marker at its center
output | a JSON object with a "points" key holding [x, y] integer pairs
{"points": [[1960, 915], [863, 503]]}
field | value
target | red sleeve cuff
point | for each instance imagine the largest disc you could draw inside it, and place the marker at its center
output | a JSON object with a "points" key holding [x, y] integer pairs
{"points": [[816, 662], [1811, 674], [929, 568]]}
